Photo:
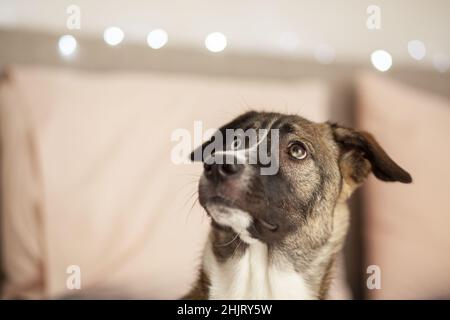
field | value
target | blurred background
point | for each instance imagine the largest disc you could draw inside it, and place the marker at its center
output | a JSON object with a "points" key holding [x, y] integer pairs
{"points": [[91, 93]]}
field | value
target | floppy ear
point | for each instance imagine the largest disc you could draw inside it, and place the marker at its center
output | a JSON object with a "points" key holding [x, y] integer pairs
{"points": [[361, 154]]}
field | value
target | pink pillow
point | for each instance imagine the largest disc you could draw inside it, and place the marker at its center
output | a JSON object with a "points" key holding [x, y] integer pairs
{"points": [[407, 226]]}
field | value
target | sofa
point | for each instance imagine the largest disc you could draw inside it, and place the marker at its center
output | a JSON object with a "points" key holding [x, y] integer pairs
{"points": [[88, 182]]}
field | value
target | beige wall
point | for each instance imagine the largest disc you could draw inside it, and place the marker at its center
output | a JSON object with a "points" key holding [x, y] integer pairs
{"points": [[254, 25]]}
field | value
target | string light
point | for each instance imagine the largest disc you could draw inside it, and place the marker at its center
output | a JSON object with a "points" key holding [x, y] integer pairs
{"points": [[324, 54], [417, 49], [216, 42], [67, 45], [157, 38], [113, 36], [381, 60]]}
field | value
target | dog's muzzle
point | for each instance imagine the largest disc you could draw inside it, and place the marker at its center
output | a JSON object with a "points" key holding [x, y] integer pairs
{"points": [[220, 172]]}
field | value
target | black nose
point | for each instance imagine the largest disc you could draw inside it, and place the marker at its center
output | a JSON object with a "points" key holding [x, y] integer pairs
{"points": [[222, 171]]}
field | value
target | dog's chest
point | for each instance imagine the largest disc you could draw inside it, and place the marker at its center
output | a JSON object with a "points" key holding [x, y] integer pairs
{"points": [[253, 276]]}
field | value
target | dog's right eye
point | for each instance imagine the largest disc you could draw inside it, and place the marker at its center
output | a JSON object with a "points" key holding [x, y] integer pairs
{"points": [[298, 151], [236, 144]]}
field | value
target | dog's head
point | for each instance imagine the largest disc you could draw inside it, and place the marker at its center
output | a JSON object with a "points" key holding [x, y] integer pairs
{"points": [[319, 165]]}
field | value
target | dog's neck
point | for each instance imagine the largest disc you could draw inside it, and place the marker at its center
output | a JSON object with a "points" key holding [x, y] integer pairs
{"points": [[256, 272], [233, 268]]}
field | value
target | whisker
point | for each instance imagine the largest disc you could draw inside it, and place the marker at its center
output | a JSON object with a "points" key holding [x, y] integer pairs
{"points": [[203, 218], [235, 249], [190, 210], [189, 199], [229, 242], [188, 183]]}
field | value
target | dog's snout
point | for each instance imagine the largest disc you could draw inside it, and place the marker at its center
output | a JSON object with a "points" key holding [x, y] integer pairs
{"points": [[229, 169], [222, 171]]}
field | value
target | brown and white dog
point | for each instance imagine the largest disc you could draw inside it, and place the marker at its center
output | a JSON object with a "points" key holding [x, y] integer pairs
{"points": [[277, 236]]}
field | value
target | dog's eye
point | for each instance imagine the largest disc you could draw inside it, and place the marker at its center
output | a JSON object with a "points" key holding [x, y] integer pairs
{"points": [[236, 144], [298, 151]]}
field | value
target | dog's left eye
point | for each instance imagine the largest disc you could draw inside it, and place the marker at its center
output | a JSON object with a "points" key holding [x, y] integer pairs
{"points": [[236, 144], [298, 151]]}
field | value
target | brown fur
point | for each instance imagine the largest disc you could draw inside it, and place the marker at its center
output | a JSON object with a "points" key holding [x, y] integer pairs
{"points": [[200, 289], [306, 200]]}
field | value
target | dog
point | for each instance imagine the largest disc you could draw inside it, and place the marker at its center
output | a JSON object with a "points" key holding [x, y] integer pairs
{"points": [[277, 236]]}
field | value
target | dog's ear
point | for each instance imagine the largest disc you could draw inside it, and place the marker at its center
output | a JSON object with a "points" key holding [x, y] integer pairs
{"points": [[361, 154]]}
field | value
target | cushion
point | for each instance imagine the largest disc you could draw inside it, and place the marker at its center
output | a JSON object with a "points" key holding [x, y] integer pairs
{"points": [[406, 226]]}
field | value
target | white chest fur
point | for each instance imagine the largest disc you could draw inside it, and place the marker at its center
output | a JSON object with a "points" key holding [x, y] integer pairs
{"points": [[253, 276]]}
